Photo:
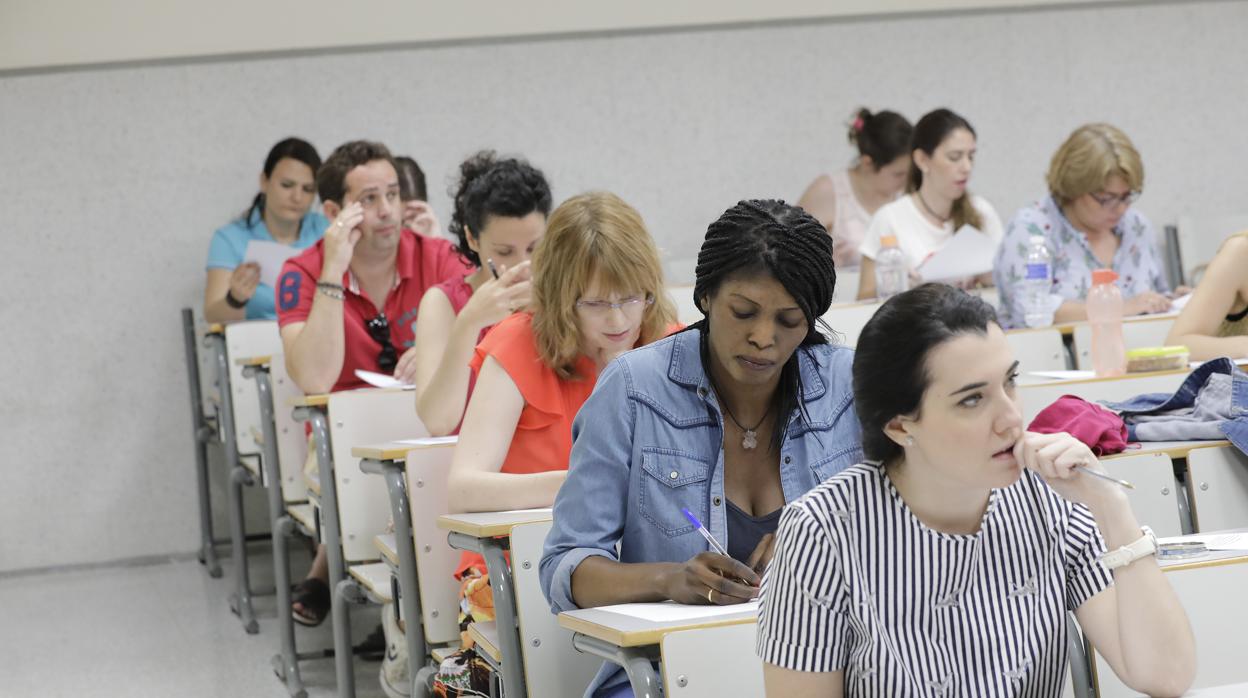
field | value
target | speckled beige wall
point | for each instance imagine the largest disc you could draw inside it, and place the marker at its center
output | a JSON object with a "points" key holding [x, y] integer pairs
{"points": [[112, 181]]}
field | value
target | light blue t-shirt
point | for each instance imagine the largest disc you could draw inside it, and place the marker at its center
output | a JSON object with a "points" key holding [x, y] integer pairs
{"points": [[229, 244]]}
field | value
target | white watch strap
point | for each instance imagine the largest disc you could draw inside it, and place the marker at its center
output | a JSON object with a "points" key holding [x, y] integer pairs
{"points": [[1143, 547]]}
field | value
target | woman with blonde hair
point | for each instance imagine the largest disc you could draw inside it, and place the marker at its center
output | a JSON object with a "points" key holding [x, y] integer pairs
{"points": [[1087, 223]]}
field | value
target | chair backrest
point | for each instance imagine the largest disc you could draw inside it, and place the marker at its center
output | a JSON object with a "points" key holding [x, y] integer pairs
{"points": [[1212, 595], [1038, 350], [552, 667], [1034, 397], [1155, 499], [848, 319], [1144, 332], [712, 662], [1218, 482], [242, 339], [846, 290], [1200, 237], [427, 470], [292, 444], [358, 417]]}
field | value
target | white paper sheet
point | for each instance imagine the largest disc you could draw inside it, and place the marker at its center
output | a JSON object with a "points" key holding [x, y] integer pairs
{"points": [[668, 611], [968, 253], [381, 380], [1223, 541], [429, 441], [1063, 375], [270, 256], [1177, 304]]}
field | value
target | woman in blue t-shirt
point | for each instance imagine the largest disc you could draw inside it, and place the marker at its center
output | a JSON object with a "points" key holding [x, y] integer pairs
{"points": [[281, 213]]}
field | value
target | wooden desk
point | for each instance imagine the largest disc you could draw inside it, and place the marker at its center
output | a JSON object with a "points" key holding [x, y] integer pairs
{"points": [[635, 642], [321, 400], [215, 328], [1174, 449], [488, 533], [245, 361]]}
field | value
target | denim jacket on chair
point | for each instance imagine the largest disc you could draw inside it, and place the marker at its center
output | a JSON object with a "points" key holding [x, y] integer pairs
{"points": [[649, 442], [1154, 407]]}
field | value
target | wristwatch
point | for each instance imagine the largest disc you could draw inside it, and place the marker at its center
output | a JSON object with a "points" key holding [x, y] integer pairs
{"points": [[1145, 546]]}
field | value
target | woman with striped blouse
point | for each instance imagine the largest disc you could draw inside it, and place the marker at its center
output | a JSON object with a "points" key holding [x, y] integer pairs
{"points": [[946, 564]]}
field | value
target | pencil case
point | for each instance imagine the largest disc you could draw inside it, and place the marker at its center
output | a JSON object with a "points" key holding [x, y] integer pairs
{"points": [[1157, 359]]}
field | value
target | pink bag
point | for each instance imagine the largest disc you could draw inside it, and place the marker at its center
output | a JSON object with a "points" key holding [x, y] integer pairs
{"points": [[1103, 431]]}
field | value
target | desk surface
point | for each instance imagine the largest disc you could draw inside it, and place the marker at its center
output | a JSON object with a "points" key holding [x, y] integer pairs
{"points": [[215, 328], [491, 524], [310, 401], [630, 631], [398, 450], [1174, 449], [1213, 558], [263, 360]]}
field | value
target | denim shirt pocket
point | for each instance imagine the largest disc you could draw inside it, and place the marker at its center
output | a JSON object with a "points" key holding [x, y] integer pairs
{"points": [[671, 480], [827, 467]]}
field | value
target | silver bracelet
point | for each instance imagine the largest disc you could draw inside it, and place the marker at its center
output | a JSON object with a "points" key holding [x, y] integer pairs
{"points": [[335, 291]]}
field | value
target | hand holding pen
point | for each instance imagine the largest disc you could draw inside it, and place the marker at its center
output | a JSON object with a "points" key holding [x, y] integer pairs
{"points": [[711, 577]]}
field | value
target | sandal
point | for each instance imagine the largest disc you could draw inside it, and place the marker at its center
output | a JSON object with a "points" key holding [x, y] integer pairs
{"points": [[312, 595]]}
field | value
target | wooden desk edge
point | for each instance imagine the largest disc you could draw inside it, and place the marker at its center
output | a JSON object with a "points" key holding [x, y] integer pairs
{"points": [[1173, 452], [310, 401], [641, 638], [492, 530], [393, 450], [254, 360], [215, 328]]}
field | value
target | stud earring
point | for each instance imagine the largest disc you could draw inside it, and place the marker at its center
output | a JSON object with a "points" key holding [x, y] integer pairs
{"points": [[909, 440]]}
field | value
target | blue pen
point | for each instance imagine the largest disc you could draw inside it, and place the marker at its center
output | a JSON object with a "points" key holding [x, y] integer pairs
{"points": [[705, 533]]}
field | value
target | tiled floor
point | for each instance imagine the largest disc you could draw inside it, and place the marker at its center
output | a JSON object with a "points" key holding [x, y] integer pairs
{"points": [[155, 630]]}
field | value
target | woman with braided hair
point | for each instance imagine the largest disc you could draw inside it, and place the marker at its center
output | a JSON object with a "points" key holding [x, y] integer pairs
{"points": [[741, 413]]}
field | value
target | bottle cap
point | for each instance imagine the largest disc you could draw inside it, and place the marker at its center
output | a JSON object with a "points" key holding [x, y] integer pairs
{"points": [[1103, 276], [888, 241]]}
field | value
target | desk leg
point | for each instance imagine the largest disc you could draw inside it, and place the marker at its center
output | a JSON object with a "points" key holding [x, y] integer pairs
{"points": [[285, 664], [240, 601], [333, 549], [505, 616], [200, 433], [409, 591], [638, 662]]}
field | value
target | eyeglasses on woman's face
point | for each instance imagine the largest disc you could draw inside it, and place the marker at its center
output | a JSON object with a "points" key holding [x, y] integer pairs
{"points": [[1109, 201], [630, 305]]}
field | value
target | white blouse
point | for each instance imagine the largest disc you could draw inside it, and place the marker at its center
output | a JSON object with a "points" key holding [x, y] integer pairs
{"points": [[858, 584], [918, 237]]}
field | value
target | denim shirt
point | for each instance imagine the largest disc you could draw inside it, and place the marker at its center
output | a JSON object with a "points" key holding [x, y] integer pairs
{"points": [[649, 441], [1235, 429]]}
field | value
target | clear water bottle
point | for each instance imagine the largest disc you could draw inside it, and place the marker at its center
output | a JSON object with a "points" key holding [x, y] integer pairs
{"points": [[1109, 352], [891, 275], [1037, 284]]}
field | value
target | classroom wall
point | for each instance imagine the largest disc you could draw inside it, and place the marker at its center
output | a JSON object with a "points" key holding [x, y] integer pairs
{"points": [[113, 180]]}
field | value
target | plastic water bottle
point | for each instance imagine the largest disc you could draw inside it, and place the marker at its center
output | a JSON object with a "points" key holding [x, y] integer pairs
{"points": [[1109, 353], [891, 275], [1037, 307]]}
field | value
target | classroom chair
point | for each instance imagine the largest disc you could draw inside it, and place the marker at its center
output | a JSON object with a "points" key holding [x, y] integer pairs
{"points": [[1040, 349], [1199, 237], [203, 432], [1218, 483]]}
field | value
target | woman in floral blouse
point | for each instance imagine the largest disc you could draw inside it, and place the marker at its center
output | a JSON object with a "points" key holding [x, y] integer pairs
{"points": [[1087, 223]]}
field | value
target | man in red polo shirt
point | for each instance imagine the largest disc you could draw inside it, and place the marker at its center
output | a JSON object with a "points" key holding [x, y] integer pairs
{"points": [[350, 301]]}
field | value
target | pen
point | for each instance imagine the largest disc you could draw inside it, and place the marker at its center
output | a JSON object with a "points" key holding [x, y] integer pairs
{"points": [[1103, 476], [493, 269], [705, 533]]}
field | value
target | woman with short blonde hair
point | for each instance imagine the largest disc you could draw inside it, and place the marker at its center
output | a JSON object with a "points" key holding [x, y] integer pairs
{"points": [[1087, 223]]}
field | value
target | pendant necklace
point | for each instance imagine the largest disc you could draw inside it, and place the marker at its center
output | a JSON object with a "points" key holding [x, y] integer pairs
{"points": [[749, 437]]}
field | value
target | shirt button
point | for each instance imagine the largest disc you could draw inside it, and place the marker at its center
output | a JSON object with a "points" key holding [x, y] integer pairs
{"points": [[674, 475], [701, 392], [717, 501], [788, 459]]}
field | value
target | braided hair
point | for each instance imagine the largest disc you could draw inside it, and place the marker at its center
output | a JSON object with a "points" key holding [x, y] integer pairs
{"points": [[784, 242], [493, 186]]}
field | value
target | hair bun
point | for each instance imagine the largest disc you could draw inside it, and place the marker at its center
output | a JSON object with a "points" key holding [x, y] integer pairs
{"points": [[858, 123]]}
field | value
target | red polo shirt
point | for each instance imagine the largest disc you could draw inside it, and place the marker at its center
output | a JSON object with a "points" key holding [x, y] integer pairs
{"points": [[422, 262]]}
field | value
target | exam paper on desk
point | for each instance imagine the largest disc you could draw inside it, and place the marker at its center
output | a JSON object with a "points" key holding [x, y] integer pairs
{"points": [[669, 611], [968, 253], [270, 256], [381, 380]]}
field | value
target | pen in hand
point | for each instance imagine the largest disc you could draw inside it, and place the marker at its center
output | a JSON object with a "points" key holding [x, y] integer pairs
{"points": [[715, 546], [493, 269]]}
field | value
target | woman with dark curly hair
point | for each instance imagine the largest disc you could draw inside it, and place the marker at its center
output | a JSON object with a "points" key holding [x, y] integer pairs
{"points": [[501, 206]]}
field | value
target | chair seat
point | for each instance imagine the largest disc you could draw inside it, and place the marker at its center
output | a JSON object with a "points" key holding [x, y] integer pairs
{"points": [[375, 578], [485, 635], [304, 515], [385, 545], [439, 654]]}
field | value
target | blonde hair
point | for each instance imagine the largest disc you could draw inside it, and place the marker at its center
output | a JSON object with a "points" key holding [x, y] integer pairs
{"points": [[593, 237], [1090, 156]]}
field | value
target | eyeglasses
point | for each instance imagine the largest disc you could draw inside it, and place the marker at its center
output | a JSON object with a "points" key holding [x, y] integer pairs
{"points": [[1112, 200], [629, 305], [379, 330]]}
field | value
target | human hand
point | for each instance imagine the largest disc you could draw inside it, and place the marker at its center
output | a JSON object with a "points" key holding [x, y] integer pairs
{"points": [[405, 369], [497, 298], [243, 281], [419, 216], [763, 552], [340, 238], [1056, 457], [1146, 303], [711, 578]]}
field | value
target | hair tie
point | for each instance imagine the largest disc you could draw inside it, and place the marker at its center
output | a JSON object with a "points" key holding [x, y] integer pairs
{"points": [[858, 124]]}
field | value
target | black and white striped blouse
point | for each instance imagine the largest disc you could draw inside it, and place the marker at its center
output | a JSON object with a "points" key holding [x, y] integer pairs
{"points": [[858, 584]]}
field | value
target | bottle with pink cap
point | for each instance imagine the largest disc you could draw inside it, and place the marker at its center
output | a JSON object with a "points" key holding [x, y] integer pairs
{"points": [[1109, 353]]}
